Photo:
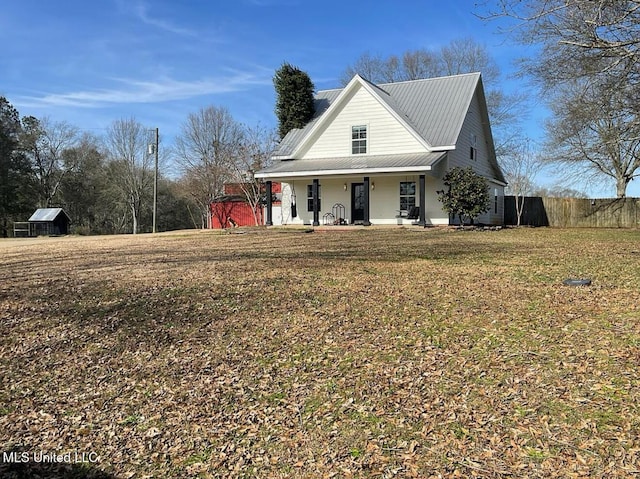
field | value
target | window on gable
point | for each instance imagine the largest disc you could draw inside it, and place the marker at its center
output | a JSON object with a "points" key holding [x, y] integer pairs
{"points": [[358, 139], [407, 195], [310, 198], [473, 151]]}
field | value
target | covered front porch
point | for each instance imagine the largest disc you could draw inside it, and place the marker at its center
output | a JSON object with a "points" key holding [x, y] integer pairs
{"points": [[381, 199], [360, 189]]}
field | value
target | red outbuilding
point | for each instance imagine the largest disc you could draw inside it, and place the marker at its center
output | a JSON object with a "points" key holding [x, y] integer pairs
{"points": [[232, 209]]}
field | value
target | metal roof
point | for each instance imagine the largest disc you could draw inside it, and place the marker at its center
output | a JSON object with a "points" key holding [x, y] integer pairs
{"points": [[352, 164], [323, 99], [47, 214], [434, 107]]}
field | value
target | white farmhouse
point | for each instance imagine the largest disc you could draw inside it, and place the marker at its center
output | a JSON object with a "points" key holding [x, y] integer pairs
{"points": [[376, 154]]}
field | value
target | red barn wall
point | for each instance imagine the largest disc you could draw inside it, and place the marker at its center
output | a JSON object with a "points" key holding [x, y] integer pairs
{"points": [[239, 212]]}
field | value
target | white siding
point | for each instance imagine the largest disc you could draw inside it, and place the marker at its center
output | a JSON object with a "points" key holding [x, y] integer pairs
{"points": [[495, 216], [384, 199], [461, 157], [472, 125], [385, 135]]}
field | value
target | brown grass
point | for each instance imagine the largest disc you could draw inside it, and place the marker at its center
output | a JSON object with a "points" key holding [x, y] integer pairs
{"points": [[369, 353]]}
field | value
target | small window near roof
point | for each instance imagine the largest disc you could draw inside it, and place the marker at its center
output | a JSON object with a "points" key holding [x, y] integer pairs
{"points": [[358, 139], [473, 152]]}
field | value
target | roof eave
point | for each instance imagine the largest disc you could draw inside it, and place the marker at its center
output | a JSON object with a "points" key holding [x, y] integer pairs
{"points": [[341, 172], [357, 80], [334, 105]]}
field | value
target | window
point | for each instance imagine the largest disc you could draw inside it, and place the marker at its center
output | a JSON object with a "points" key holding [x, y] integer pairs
{"points": [[473, 151], [407, 195], [310, 198], [495, 200], [358, 139]]}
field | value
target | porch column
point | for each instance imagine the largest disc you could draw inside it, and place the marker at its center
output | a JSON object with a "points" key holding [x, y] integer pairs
{"points": [[269, 194], [367, 185], [316, 203], [423, 203]]}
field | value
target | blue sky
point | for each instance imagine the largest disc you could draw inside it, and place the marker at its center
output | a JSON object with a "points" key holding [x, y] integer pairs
{"points": [[92, 62]]}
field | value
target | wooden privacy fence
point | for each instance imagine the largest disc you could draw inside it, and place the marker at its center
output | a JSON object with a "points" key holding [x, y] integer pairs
{"points": [[574, 212]]}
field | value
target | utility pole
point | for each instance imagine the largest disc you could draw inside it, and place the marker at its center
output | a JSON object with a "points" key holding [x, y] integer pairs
{"points": [[155, 182]]}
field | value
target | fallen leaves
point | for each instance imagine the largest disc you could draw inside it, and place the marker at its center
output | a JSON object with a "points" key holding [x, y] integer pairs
{"points": [[382, 353]]}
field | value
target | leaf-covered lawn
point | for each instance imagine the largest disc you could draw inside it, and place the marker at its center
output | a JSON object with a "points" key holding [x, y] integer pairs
{"points": [[365, 353]]}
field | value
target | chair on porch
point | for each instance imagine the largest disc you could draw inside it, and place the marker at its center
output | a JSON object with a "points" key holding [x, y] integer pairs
{"points": [[414, 213]]}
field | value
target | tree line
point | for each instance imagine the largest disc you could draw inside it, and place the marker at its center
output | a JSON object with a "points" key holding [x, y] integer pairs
{"points": [[587, 67], [105, 183]]}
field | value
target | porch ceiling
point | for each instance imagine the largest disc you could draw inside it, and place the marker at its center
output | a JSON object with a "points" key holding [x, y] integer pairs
{"points": [[352, 165]]}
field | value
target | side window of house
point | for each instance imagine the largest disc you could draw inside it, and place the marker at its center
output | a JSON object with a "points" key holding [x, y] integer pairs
{"points": [[310, 197], [495, 200], [473, 151], [407, 195], [358, 139]]}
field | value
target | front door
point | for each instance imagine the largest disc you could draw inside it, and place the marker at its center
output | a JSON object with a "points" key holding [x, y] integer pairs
{"points": [[357, 202]]}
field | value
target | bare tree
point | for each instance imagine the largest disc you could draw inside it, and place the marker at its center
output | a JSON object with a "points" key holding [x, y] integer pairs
{"points": [[579, 37], [418, 64], [205, 151], [465, 55], [588, 67], [127, 141], [81, 188], [460, 56], [520, 167], [45, 142], [593, 135], [255, 154], [373, 68], [558, 191]]}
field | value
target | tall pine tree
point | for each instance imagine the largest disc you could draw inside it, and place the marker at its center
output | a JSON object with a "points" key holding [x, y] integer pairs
{"points": [[294, 105]]}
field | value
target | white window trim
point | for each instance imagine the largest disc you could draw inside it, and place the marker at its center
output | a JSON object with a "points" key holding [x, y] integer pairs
{"points": [[367, 139], [400, 195]]}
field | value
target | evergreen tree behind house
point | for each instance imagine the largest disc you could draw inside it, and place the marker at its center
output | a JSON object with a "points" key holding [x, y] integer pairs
{"points": [[294, 104]]}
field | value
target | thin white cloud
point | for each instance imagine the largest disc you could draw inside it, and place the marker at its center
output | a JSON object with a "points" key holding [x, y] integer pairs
{"points": [[142, 10], [144, 13], [145, 91]]}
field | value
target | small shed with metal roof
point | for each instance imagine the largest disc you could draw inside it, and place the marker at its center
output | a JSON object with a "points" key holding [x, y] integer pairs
{"points": [[49, 221]]}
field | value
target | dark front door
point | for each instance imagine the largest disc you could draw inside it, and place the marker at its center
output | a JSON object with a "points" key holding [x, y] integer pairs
{"points": [[357, 202]]}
